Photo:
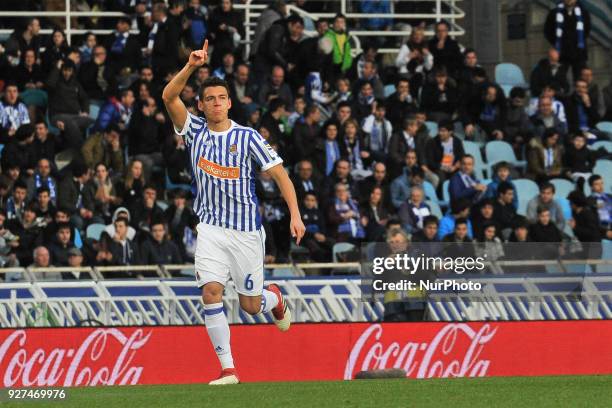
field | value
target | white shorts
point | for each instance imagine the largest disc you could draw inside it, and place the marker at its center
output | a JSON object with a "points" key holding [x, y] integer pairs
{"points": [[222, 253]]}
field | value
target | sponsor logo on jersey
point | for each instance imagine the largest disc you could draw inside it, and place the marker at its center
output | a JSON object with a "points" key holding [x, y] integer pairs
{"points": [[218, 171]]}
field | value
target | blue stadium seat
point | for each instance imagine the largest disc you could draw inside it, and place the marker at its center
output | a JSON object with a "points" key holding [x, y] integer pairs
{"points": [[162, 204], [509, 74], [435, 209], [432, 127], [430, 191], [94, 111], [566, 207], [388, 90], [498, 151], [479, 164], [562, 187], [445, 192], [340, 248], [94, 231], [605, 127], [526, 190], [606, 144]]}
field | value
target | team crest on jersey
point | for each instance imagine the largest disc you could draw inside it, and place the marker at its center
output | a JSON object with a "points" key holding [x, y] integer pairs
{"points": [[233, 149]]}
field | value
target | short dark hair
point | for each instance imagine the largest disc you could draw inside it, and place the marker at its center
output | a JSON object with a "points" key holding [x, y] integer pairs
{"points": [[594, 178], [43, 189], [461, 220], [542, 209], [503, 188], [310, 109], [430, 219], [546, 186], [64, 225], [210, 82], [121, 219], [276, 103], [517, 92], [20, 184], [294, 18], [344, 104], [79, 168]]}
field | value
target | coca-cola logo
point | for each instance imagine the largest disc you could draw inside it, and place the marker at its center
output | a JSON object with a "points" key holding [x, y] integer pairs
{"points": [[443, 356], [94, 362]]}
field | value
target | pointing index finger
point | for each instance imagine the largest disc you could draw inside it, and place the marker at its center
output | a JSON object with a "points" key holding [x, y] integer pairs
{"points": [[205, 47]]}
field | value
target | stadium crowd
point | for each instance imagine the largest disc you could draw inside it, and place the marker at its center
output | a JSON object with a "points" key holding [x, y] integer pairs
{"points": [[93, 172]]}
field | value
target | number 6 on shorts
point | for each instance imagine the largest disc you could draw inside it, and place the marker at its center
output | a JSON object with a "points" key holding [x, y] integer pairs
{"points": [[248, 282]]}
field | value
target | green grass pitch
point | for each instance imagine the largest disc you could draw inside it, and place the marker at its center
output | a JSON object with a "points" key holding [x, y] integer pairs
{"points": [[563, 391]]}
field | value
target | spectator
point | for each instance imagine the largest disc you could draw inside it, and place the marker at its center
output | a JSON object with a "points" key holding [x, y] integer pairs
{"points": [[543, 230], [242, 93], [439, 99], [29, 75], [279, 46], [400, 104], [75, 261], [277, 10], [444, 152], [483, 215], [315, 239], [549, 71], [415, 59], [274, 212], [344, 218], [27, 39], [13, 113], [305, 181], [353, 149], [546, 119], [145, 210], [378, 132], [61, 244], [178, 215], [567, 28], [518, 126], [459, 210], [578, 159], [7, 181], [196, 15], [586, 75], [445, 50], [328, 149], [545, 200], [96, 76], [520, 233], [226, 30], [489, 114], [102, 190], [116, 111], [175, 159], [123, 48], [42, 259], [45, 209], [226, 70], [369, 73], [460, 234], [401, 185], [120, 251], [363, 103], [130, 187], [104, 147], [582, 115], [504, 210], [44, 143], [429, 232], [469, 72], [463, 184], [120, 212], [380, 180], [305, 134], [342, 58], [413, 212], [15, 205], [584, 222], [55, 51], [42, 178], [87, 49], [159, 250], [73, 195], [8, 241], [607, 98], [146, 136], [20, 151], [502, 175], [27, 231], [162, 42], [489, 246], [68, 103], [558, 108], [545, 159], [601, 201], [275, 87]]}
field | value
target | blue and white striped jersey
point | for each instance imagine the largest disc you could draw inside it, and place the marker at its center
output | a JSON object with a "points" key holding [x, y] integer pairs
{"points": [[224, 167], [13, 116]]}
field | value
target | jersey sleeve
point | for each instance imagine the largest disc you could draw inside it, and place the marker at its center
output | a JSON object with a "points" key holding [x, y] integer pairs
{"points": [[191, 127], [261, 151]]}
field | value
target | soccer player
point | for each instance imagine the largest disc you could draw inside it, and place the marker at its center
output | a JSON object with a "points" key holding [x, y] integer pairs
{"points": [[224, 158]]}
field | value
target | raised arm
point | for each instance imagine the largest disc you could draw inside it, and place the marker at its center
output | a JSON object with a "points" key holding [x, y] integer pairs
{"points": [[171, 95]]}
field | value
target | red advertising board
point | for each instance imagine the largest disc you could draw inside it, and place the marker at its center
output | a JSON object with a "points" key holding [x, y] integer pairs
{"points": [[169, 355]]}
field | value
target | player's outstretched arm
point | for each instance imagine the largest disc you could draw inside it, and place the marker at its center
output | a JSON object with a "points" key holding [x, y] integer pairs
{"points": [[285, 185], [171, 95]]}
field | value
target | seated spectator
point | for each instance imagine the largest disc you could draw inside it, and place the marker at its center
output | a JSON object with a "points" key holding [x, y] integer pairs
{"points": [[176, 160], [276, 87], [159, 250], [439, 99], [61, 244], [415, 59], [490, 114], [120, 212], [305, 134], [178, 214], [42, 259], [504, 210], [469, 72], [463, 184], [299, 113], [602, 201], [408, 138], [413, 212], [304, 181], [226, 69], [377, 131], [16, 203], [273, 121], [242, 92], [445, 50], [73, 195], [328, 149], [460, 232], [75, 260], [502, 174], [483, 214], [369, 73], [579, 160], [45, 208], [558, 109], [27, 38], [549, 71], [459, 210], [489, 246], [543, 230], [343, 216], [520, 233], [545, 200], [586, 75], [68, 103], [429, 232], [518, 126], [104, 147], [401, 185], [146, 136], [584, 222], [8, 259], [13, 113], [353, 149], [117, 111], [19, 151], [546, 119], [444, 152], [145, 210], [28, 233], [55, 50], [582, 115], [315, 238], [607, 97], [374, 215], [42, 178], [119, 251], [363, 101], [161, 48], [123, 48], [103, 192], [44, 143], [545, 158], [400, 104], [274, 211], [96, 76], [130, 186], [226, 28], [188, 244]]}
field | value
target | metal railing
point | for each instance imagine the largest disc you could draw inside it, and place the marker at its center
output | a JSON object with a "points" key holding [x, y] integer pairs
{"points": [[252, 13]]}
